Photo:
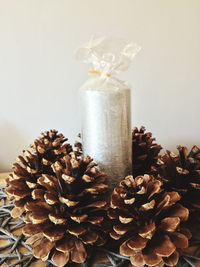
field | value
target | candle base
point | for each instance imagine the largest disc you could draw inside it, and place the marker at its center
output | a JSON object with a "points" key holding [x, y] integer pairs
{"points": [[106, 131]]}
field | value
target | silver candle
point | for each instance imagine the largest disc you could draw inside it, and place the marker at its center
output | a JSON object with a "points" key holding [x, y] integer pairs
{"points": [[106, 131], [105, 106]]}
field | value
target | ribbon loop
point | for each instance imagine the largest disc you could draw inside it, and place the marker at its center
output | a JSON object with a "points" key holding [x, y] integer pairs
{"points": [[96, 72]]}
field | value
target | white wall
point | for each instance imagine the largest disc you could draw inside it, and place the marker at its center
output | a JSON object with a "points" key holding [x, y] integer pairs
{"points": [[39, 76]]}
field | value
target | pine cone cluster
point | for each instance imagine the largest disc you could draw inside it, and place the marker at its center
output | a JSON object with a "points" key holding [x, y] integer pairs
{"points": [[64, 200], [144, 151], [181, 173], [62, 197], [148, 222]]}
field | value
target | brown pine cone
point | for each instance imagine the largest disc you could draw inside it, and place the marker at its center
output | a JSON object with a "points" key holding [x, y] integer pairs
{"points": [[144, 151], [46, 150], [181, 173], [49, 148], [66, 214], [147, 222]]}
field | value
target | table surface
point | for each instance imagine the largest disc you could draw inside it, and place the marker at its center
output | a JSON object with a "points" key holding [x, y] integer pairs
{"points": [[40, 263]]}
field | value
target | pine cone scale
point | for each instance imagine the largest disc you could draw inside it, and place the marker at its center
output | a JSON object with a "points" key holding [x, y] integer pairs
{"points": [[65, 244], [137, 243], [162, 245], [78, 253], [151, 258], [172, 260], [89, 237], [76, 229], [60, 259], [54, 232], [169, 224], [147, 230], [126, 251], [179, 239], [137, 260], [42, 250]]}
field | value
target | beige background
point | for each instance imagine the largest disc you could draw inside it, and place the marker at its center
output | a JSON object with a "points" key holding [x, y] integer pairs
{"points": [[39, 76]]}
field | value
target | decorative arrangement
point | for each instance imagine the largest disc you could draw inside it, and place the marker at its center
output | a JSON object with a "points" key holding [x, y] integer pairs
{"points": [[61, 200], [131, 203]]}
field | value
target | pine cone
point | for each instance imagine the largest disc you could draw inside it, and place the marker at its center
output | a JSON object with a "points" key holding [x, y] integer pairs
{"points": [[49, 148], [66, 212], [147, 222], [181, 173], [46, 150], [144, 151]]}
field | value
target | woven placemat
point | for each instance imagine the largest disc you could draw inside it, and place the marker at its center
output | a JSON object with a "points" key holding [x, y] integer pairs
{"points": [[13, 249]]}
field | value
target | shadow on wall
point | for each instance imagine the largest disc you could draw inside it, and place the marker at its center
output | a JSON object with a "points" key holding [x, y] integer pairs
{"points": [[12, 143]]}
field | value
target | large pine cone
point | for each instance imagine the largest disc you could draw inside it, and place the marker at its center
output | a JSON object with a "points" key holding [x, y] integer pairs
{"points": [[144, 151], [181, 173], [147, 222], [66, 213], [46, 150]]}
